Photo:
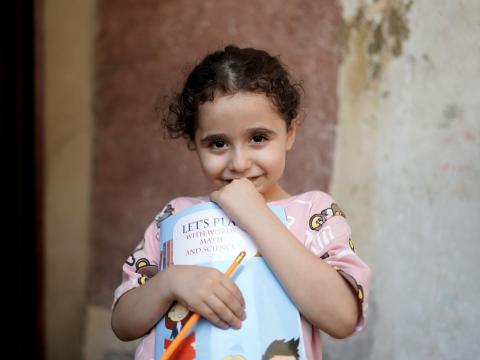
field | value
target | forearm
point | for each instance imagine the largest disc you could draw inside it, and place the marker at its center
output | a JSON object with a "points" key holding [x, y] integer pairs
{"points": [[139, 309], [320, 293]]}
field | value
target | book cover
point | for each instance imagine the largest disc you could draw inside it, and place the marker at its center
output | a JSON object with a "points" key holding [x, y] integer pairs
{"points": [[204, 235]]}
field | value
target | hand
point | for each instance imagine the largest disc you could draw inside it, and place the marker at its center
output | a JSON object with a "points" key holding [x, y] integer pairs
{"points": [[209, 293], [240, 200]]}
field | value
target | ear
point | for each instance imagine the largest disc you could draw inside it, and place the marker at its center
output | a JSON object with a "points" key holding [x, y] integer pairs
{"points": [[292, 132]]}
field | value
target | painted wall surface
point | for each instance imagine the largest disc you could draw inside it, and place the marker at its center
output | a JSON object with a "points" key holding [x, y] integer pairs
{"points": [[407, 168], [68, 31]]}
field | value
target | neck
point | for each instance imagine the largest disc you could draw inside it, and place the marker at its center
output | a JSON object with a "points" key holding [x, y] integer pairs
{"points": [[275, 193]]}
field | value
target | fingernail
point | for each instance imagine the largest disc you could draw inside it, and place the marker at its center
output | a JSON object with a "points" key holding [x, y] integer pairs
{"points": [[244, 315]]}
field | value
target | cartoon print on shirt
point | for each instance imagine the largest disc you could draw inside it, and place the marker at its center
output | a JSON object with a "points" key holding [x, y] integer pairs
{"points": [[360, 293], [351, 280], [233, 357], [286, 350], [142, 266], [130, 260], [325, 256], [317, 220], [167, 211], [352, 246], [337, 211], [316, 241], [146, 270]]}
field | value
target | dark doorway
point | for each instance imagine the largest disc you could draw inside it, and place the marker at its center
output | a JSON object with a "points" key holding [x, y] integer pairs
{"points": [[21, 170]]}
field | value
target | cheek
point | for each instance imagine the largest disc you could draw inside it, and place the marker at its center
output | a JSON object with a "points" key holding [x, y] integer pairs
{"points": [[274, 160], [211, 165]]}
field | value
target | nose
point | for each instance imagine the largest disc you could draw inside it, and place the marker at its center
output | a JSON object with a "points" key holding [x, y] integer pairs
{"points": [[240, 161]]}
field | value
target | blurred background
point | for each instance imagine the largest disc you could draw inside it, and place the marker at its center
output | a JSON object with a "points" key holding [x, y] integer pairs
{"points": [[391, 129]]}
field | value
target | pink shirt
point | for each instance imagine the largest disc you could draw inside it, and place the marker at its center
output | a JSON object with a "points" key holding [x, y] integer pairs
{"points": [[315, 220]]}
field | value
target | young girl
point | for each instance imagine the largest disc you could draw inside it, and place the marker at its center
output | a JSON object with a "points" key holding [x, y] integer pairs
{"points": [[239, 112]]}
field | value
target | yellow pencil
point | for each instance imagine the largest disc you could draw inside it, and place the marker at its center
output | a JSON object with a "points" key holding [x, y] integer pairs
{"points": [[194, 318]]}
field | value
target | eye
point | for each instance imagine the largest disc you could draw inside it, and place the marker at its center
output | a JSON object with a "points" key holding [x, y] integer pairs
{"points": [[217, 144], [258, 138]]}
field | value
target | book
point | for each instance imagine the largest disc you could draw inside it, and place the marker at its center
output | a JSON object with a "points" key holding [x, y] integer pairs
{"points": [[204, 235]]}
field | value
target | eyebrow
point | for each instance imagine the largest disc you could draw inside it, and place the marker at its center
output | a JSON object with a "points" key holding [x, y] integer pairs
{"points": [[213, 137], [262, 130]]}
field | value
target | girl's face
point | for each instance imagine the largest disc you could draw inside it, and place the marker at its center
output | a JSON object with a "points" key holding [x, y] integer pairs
{"points": [[242, 135]]}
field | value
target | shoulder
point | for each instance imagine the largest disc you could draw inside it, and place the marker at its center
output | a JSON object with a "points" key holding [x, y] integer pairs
{"points": [[316, 199], [317, 196], [321, 207], [184, 202], [306, 202]]}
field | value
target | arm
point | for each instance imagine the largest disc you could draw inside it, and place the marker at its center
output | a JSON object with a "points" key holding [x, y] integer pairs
{"points": [[320, 293], [139, 309], [200, 289]]}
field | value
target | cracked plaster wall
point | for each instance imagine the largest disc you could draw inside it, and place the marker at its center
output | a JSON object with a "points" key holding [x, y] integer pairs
{"points": [[407, 169]]}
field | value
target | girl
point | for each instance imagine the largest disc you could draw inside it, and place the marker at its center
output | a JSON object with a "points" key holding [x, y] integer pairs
{"points": [[239, 112]]}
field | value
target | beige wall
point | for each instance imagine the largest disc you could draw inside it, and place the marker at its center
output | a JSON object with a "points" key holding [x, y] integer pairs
{"points": [[68, 72]]}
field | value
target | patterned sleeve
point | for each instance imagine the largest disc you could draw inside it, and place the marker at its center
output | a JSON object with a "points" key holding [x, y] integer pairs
{"points": [[143, 263], [330, 238]]}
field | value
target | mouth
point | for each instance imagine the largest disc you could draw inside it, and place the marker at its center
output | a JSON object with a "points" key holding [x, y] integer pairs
{"points": [[251, 178]]}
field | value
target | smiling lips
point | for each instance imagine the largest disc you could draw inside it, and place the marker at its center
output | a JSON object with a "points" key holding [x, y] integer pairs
{"points": [[251, 178]]}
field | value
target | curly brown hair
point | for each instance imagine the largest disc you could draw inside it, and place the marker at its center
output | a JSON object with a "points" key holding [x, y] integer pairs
{"points": [[227, 72]]}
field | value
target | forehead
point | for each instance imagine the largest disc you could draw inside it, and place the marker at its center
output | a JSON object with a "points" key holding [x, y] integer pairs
{"points": [[240, 109]]}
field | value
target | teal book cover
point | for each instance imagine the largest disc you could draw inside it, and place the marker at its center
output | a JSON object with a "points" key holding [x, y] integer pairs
{"points": [[204, 235]]}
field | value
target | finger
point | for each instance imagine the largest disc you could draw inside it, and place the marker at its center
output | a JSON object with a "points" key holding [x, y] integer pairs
{"points": [[207, 312], [230, 285], [223, 312], [233, 299]]}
